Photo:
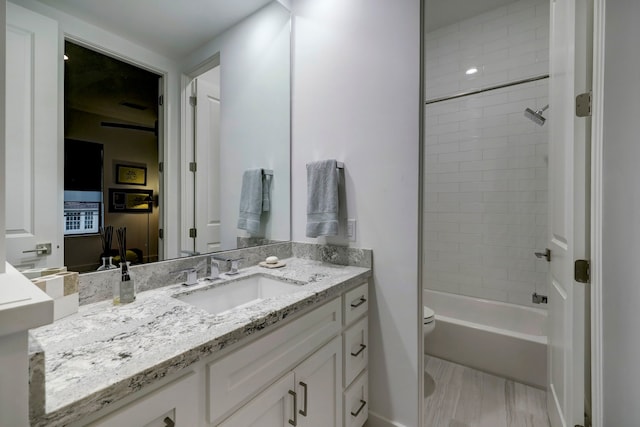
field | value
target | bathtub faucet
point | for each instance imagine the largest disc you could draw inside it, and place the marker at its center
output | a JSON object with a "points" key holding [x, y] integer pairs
{"points": [[538, 299]]}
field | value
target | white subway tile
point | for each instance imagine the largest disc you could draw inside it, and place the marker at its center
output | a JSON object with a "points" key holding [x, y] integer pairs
{"points": [[460, 197], [483, 165], [441, 226], [442, 167], [463, 176], [442, 148], [463, 156], [461, 217], [446, 187], [443, 207]]}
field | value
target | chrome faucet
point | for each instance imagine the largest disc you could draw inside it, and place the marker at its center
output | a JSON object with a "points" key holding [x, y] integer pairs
{"points": [[214, 267], [235, 264], [192, 276]]}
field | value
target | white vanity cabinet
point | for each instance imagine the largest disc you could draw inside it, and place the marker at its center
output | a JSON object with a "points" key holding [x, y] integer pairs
{"points": [[233, 379], [311, 372], [308, 396], [174, 405], [271, 408], [355, 336], [330, 387]]}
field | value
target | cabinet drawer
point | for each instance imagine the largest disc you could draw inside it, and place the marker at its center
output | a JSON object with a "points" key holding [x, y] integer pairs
{"points": [[356, 402], [356, 349], [176, 401], [356, 303], [236, 377]]}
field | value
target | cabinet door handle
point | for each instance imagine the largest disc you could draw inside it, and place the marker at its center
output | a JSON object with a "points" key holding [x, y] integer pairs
{"points": [[168, 422], [303, 412], [362, 347], [294, 422], [362, 301], [362, 405]]}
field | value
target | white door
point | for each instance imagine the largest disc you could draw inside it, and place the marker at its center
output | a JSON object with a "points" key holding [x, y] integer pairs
{"points": [[33, 144], [569, 139], [207, 179], [318, 387], [271, 408]]}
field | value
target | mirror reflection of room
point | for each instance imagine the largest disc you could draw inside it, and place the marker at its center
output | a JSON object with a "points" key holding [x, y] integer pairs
{"points": [[111, 159]]}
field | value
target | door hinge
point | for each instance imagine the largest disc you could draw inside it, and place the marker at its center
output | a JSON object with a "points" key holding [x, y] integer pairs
{"points": [[583, 105], [161, 100], [161, 233], [193, 166], [161, 167], [193, 101], [582, 271], [193, 233]]}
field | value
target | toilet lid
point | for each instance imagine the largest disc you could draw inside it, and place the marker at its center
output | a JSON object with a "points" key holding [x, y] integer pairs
{"points": [[428, 314]]}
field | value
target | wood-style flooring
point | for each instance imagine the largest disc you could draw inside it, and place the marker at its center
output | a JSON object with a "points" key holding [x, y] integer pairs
{"points": [[465, 397]]}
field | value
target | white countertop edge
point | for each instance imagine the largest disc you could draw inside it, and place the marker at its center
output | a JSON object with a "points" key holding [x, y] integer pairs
{"points": [[25, 306]]}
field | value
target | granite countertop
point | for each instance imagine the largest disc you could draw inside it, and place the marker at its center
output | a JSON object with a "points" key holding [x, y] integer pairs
{"points": [[104, 352]]}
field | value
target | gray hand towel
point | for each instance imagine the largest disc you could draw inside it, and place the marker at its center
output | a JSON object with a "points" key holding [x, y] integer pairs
{"points": [[266, 195], [322, 198], [251, 201]]}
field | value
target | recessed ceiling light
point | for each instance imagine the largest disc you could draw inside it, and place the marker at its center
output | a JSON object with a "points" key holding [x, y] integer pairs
{"points": [[471, 70]]}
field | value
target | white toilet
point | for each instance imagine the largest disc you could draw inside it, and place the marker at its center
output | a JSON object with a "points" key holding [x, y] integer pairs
{"points": [[428, 325], [429, 321]]}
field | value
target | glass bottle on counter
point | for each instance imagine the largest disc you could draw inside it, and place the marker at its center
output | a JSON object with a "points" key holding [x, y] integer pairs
{"points": [[124, 289]]}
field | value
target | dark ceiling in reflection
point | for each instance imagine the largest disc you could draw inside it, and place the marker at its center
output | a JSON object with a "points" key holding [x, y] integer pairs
{"points": [[98, 84]]}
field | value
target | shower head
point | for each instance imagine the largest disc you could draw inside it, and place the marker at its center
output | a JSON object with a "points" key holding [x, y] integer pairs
{"points": [[536, 116]]}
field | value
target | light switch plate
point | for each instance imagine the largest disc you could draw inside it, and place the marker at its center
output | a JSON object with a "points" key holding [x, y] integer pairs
{"points": [[351, 230]]}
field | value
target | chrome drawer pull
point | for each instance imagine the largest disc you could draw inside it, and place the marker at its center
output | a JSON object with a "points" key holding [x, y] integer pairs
{"points": [[362, 405], [362, 347], [362, 301], [294, 422]]}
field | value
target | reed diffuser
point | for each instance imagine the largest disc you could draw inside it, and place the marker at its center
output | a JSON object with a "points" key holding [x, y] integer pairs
{"points": [[124, 291], [106, 234]]}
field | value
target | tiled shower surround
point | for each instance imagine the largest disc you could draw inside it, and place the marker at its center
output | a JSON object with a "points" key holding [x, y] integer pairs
{"points": [[485, 163]]}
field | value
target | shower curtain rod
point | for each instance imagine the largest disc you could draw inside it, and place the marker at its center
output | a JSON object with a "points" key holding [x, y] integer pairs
{"points": [[477, 91]]}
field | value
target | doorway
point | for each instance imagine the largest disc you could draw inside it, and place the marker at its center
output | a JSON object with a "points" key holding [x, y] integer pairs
{"points": [[112, 157], [202, 154]]}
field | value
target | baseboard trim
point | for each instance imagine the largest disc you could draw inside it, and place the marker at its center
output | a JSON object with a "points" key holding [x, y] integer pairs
{"points": [[376, 420]]}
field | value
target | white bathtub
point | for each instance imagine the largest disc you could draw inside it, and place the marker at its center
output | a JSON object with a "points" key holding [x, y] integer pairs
{"points": [[503, 339]]}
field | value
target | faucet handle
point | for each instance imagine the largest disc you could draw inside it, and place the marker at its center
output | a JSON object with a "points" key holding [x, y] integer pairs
{"points": [[192, 275], [214, 267], [235, 265]]}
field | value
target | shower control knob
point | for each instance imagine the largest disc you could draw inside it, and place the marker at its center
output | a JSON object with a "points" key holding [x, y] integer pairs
{"points": [[546, 254]]}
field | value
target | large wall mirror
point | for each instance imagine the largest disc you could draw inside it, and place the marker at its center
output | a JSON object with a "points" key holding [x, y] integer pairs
{"points": [[180, 144]]}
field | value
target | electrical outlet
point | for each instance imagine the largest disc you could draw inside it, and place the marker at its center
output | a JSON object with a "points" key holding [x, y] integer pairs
{"points": [[351, 230]]}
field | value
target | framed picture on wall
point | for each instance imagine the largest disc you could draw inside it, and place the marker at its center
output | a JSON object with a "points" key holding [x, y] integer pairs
{"points": [[132, 175], [125, 200]]}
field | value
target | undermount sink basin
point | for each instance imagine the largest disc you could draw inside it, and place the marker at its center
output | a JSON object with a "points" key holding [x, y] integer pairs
{"points": [[239, 293]]}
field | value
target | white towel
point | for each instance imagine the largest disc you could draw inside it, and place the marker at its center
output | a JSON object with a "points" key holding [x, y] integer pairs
{"points": [[251, 201], [322, 198]]}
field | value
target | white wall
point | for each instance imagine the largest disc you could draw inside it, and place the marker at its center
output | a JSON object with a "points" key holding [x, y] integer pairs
{"points": [[2, 135], [254, 113], [621, 215], [356, 98], [485, 206]]}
